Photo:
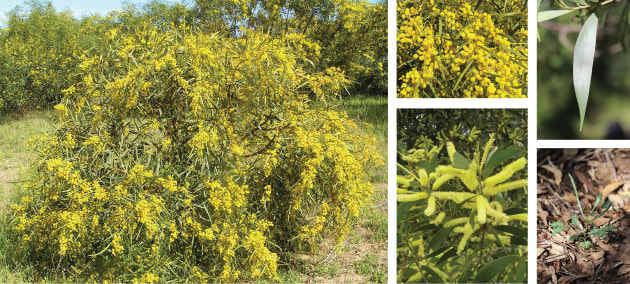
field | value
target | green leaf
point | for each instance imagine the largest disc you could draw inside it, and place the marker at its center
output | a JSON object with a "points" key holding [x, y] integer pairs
{"points": [[450, 253], [518, 241], [548, 15], [434, 275], [403, 210], [521, 271], [583, 63], [597, 201], [557, 227], [514, 211], [498, 157], [438, 251], [514, 230], [410, 273], [439, 237], [493, 268], [460, 162]]}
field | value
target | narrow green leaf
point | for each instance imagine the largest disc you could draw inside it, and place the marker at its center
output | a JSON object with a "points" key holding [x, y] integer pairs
{"points": [[548, 15], [435, 277], [493, 268], [439, 237], [583, 63], [409, 273], [513, 230], [514, 211], [521, 271], [450, 253], [438, 251]]}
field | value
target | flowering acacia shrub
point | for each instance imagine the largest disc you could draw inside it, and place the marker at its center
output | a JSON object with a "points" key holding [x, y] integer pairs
{"points": [[462, 48], [186, 156], [471, 217], [36, 55]]}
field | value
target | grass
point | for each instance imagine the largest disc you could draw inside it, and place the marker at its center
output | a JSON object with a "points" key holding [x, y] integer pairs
{"points": [[373, 111], [15, 158], [370, 230], [366, 267]]}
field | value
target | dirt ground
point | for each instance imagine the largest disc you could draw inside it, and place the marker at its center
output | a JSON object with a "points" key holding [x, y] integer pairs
{"points": [[595, 171], [355, 248]]}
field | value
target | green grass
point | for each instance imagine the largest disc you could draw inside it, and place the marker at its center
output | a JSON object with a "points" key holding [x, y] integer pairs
{"points": [[373, 111], [15, 158], [369, 266]]}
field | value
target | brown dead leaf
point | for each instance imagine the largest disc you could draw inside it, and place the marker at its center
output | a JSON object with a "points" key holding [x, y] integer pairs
{"points": [[610, 188], [597, 257], [617, 200], [570, 278], [601, 221], [557, 173]]}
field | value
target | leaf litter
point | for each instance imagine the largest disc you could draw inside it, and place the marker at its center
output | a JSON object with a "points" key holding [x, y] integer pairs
{"points": [[597, 171]]}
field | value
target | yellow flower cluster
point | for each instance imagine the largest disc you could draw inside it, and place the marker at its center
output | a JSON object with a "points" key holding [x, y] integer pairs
{"points": [[478, 194], [447, 50]]}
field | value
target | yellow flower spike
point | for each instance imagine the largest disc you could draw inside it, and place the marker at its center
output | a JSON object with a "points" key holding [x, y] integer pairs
{"points": [[496, 206], [441, 180], [430, 206], [423, 178], [451, 151], [468, 231], [402, 181], [486, 151], [505, 187], [482, 205], [455, 222], [438, 219], [402, 191], [498, 216], [467, 176], [412, 197], [458, 197], [506, 172]]}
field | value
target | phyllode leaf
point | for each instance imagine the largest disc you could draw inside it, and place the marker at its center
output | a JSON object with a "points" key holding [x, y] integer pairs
{"points": [[583, 63]]}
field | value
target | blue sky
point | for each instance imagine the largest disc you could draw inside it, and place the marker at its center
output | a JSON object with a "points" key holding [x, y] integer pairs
{"points": [[78, 7], [82, 7]]}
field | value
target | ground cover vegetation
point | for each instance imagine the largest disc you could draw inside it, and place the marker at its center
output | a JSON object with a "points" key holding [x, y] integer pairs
{"points": [[462, 49], [462, 201], [188, 146]]}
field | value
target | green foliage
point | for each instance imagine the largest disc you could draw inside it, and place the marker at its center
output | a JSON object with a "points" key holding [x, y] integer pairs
{"points": [[181, 155], [450, 212], [583, 232], [462, 127]]}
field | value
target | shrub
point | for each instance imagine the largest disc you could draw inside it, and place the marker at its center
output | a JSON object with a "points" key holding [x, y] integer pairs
{"points": [[187, 156], [462, 48], [37, 56]]}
